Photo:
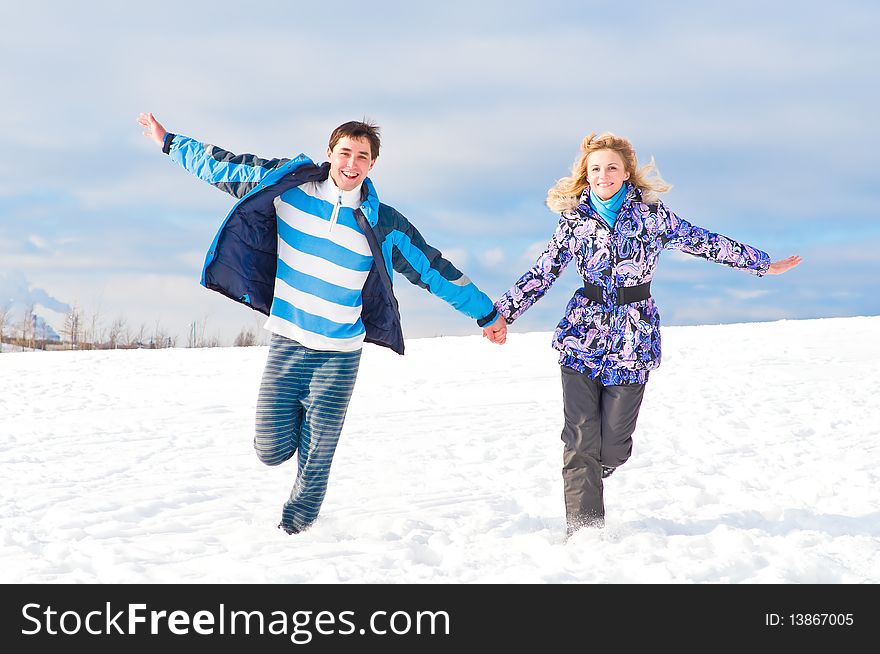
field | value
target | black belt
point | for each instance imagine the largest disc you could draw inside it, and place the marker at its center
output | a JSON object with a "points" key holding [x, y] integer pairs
{"points": [[625, 294]]}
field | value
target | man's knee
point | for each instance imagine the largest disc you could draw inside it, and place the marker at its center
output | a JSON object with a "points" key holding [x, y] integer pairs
{"points": [[272, 455]]}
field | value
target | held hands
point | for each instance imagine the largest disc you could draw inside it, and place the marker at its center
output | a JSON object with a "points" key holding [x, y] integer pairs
{"points": [[784, 265], [497, 331], [152, 128]]}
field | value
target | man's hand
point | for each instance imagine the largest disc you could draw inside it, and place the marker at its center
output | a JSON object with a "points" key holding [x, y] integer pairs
{"points": [[497, 331], [779, 267], [152, 128]]}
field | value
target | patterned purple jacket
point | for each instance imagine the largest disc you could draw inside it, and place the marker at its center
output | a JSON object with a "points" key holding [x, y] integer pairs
{"points": [[611, 343]]}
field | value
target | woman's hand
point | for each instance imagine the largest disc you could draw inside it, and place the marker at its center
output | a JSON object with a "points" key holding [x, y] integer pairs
{"points": [[779, 267]]}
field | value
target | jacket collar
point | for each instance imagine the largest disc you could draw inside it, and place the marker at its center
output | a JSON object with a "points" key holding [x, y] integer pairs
{"points": [[632, 195], [369, 197]]}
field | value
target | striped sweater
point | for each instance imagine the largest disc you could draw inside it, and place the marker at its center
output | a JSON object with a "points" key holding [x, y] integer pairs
{"points": [[274, 254], [323, 262]]}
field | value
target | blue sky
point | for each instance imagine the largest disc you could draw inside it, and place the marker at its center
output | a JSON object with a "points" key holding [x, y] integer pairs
{"points": [[761, 114]]}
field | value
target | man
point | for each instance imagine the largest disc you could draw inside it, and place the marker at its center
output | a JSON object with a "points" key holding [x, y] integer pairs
{"points": [[312, 247]]}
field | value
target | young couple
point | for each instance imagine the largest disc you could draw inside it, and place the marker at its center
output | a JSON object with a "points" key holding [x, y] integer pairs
{"points": [[312, 247]]}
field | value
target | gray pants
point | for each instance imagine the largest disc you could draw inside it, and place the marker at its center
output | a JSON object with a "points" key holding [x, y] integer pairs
{"points": [[599, 423]]}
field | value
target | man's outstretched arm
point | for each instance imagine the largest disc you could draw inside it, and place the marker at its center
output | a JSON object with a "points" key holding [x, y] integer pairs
{"points": [[152, 128], [236, 174], [425, 266]]}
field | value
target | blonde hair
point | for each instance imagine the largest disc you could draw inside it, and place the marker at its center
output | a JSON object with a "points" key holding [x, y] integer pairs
{"points": [[567, 191]]}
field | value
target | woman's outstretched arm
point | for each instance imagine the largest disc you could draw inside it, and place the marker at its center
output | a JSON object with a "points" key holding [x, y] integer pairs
{"points": [[783, 265]]}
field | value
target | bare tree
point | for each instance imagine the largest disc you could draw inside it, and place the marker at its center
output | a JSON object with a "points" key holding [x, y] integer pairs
{"points": [[138, 338], [92, 332], [161, 339], [260, 334], [72, 328], [198, 335], [28, 327], [117, 333], [157, 340], [5, 315], [246, 337]]}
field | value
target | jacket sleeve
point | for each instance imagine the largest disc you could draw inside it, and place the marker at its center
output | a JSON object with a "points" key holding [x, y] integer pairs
{"points": [[425, 266], [679, 234], [236, 174], [538, 279]]}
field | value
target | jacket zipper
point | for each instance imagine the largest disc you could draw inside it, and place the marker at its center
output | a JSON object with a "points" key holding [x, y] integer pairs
{"points": [[612, 312], [335, 213]]}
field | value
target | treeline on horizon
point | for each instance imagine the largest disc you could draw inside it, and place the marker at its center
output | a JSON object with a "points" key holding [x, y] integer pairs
{"points": [[90, 332]]}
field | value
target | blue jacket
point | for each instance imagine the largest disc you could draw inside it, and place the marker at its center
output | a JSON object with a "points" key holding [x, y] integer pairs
{"points": [[241, 261]]}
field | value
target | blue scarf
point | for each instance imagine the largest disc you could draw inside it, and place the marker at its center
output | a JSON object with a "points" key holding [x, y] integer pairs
{"points": [[609, 208]]}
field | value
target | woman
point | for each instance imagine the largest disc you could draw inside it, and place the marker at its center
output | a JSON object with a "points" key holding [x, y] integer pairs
{"points": [[614, 226]]}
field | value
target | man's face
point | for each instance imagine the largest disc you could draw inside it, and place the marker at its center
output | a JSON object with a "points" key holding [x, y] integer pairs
{"points": [[350, 161]]}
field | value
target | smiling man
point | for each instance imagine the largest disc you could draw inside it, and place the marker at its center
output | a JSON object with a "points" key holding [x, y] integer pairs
{"points": [[312, 247]]}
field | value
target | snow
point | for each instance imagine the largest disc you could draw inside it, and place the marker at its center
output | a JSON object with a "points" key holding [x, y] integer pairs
{"points": [[756, 460]]}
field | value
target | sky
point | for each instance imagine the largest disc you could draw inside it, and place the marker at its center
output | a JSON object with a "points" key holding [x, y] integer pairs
{"points": [[755, 461], [760, 114]]}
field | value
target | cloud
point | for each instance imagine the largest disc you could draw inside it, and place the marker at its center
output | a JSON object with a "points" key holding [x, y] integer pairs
{"points": [[766, 127], [458, 257], [18, 293], [748, 294], [38, 242], [533, 251], [492, 257]]}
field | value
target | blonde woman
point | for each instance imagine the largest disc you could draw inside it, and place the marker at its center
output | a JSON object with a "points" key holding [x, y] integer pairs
{"points": [[613, 225]]}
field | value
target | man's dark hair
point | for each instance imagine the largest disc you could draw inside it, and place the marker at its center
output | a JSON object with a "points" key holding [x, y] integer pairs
{"points": [[357, 129]]}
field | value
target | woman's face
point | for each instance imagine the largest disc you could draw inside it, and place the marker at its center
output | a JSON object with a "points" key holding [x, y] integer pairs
{"points": [[606, 173]]}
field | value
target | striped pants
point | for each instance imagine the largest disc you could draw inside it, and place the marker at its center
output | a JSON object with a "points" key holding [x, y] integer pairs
{"points": [[303, 398]]}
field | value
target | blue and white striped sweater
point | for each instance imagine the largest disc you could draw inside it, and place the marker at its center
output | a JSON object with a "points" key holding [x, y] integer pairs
{"points": [[319, 240], [244, 257]]}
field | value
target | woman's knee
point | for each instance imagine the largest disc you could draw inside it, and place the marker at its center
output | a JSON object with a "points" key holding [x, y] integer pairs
{"points": [[616, 454]]}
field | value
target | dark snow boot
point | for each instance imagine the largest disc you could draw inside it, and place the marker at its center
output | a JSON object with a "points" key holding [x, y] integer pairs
{"points": [[288, 530]]}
